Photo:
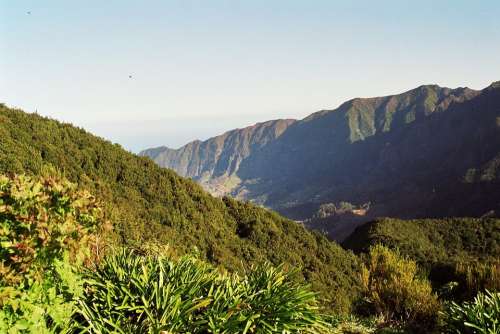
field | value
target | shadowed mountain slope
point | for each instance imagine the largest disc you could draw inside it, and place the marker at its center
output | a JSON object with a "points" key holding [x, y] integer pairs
{"points": [[431, 151]]}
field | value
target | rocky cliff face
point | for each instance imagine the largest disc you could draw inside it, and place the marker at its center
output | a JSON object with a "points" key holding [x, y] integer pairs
{"points": [[409, 155], [215, 162]]}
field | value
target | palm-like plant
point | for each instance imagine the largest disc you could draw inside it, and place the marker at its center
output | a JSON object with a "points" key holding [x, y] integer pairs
{"points": [[481, 316], [129, 293]]}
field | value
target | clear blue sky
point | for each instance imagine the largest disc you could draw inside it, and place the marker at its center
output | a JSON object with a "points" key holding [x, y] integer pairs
{"points": [[202, 67]]}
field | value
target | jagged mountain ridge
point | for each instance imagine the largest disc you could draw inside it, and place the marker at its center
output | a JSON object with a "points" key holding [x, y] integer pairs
{"points": [[403, 153], [222, 155], [321, 142]]}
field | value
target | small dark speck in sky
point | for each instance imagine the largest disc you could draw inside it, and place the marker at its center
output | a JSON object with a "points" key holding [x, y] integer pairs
{"points": [[29, 13], [130, 77]]}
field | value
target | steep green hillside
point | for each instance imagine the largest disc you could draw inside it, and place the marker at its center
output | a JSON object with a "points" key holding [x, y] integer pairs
{"points": [[147, 203]]}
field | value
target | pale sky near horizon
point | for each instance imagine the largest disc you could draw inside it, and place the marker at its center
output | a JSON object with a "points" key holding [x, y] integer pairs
{"points": [[200, 68]]}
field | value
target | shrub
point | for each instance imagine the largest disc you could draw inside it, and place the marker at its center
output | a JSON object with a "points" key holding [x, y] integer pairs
{"points": [[44, 306], [40, 219], [45, 224], [392, 288], [479, 276], [129, 293], [479, 316]]}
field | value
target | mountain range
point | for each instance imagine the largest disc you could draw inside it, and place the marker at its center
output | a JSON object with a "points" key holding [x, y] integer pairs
{"points": [[428, 152]]}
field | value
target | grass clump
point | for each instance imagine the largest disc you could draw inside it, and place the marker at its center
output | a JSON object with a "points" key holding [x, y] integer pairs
{"points": [[352, 325]]}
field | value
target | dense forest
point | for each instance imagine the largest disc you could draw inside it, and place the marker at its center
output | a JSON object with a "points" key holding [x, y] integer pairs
{"points": [[96, 239]]}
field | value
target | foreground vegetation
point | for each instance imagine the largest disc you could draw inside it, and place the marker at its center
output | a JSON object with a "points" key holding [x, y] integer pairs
{"points": [[482, 315], [45, 224], [55, 278], [53, 281], [393, 290], [153, 294]]}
